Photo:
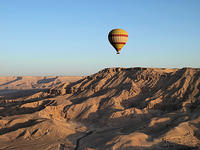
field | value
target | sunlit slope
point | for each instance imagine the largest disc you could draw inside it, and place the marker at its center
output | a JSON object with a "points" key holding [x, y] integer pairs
{"points": [[141, 107], [114, 109]]}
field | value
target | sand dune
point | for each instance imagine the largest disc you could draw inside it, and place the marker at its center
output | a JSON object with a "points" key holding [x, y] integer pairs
{"points": [[114, 109]]}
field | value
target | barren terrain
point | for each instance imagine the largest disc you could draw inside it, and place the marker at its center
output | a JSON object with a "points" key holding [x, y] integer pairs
{"points": [[114, 109]]}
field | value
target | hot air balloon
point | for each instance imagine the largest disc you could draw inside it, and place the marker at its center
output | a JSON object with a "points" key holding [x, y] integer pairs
{"points": [[118, 38]]}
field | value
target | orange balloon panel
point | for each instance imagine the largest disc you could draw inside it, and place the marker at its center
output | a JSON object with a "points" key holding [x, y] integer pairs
{"points": [[118, 38]]}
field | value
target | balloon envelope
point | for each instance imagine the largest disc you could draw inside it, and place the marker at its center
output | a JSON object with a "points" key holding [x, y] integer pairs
{"points": [[118, 38]]}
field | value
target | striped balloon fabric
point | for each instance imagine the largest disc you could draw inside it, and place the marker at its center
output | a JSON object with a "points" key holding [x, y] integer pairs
{"points": [[118, 38]]}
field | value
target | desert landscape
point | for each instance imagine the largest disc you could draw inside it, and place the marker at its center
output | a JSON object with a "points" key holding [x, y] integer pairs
{"points": [[100, 75], [114, 109]]}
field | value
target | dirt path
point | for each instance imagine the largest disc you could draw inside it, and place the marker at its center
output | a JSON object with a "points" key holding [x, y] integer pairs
{"points": [[79, 139]]}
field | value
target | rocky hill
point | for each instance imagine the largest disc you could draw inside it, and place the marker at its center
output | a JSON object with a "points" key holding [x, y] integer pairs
{"points": [[116, 109]]}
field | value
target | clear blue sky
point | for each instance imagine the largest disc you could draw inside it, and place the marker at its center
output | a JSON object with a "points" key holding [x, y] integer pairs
{"points": [[69, 37]]}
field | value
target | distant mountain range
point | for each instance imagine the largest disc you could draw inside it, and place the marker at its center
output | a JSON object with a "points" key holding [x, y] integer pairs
{"points": [[34, 82]]}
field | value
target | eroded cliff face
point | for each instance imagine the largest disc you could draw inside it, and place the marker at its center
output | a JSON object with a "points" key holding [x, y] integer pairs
{"points": [[145, 89], [116, 108]]}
